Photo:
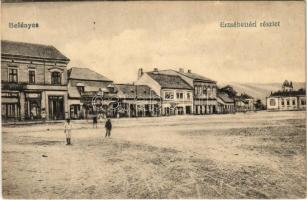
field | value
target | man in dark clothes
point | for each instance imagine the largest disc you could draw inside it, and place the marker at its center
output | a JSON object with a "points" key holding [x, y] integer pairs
{"points": [[108, 127], [95, 121]]}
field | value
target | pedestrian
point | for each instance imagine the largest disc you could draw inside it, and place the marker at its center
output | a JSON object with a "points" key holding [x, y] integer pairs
{"points": [[95, 121], [108, 127], [67, 131]]}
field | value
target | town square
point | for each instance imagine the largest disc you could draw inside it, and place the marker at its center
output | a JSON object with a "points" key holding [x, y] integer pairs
{"points": [[245, 155]]}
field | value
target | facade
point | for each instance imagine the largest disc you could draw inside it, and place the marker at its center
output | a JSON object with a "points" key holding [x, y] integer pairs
{"points": [[244, 103], [225, 104], [204, 90], [136, 101], [83, 85], [34, 82], [176, 94], [287, 99]]}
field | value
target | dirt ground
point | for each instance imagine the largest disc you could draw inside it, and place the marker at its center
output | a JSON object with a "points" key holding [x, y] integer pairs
{"points": [[251, 155]]}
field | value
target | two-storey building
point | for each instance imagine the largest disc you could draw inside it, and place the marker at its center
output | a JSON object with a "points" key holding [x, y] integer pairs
{"points": [[34, 81], [176, 94]]}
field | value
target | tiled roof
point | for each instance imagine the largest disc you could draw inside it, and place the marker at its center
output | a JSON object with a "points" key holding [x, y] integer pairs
{"points": [[85, 74], [135, 91], [300, 92], [169, 81], [196, 77], [190, 75], [31, 50], [224, 97]]}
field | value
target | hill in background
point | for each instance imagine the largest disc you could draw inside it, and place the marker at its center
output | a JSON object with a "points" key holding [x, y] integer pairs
{"points": [[260, 90]]}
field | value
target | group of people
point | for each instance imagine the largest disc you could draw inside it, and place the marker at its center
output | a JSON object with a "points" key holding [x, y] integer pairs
{"points": [[68, 128]]}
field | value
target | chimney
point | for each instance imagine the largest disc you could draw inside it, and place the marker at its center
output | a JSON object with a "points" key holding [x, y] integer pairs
{"points": [[140, 73], [189, 71], [181, 70]]}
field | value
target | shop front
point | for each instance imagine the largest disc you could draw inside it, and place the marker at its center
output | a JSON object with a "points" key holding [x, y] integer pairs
{"points": [[33, 105]]}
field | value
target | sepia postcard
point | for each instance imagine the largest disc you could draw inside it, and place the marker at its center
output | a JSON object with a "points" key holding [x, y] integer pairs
{"points": [[153, 100]]}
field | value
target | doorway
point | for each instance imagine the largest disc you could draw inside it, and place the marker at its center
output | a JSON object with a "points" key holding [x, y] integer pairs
{"points": [[56, 107]]}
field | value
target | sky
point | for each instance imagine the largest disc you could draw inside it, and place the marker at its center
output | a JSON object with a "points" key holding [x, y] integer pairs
{"points": [[117, 38]]}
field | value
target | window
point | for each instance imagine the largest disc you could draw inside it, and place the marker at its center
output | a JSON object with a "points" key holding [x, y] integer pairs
{"points": [[293, 102], [282, 102], [288, 102], [169, 95], [188, 95], [31, 76], [272, 102], [197, 90], [179, 95], [303, 101], [80, 89], [205, 91], [56, 78], [13, 76]]}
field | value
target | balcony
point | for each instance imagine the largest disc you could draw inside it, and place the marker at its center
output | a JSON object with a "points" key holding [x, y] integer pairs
{"points": [[13, 86]]}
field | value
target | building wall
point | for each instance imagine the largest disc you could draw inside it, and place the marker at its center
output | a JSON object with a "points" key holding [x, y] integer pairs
{"points": [[177, 102], [302, 102], [145, 79], [42, 71], [40, 90], [286, 103]]}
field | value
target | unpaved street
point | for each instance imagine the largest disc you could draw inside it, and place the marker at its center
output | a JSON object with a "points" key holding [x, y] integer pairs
{"points": [[251, 155]]}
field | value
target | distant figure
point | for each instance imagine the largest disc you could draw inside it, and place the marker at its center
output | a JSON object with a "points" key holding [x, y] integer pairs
{"points": [[95, 121], [108, 127], [67, 131]]}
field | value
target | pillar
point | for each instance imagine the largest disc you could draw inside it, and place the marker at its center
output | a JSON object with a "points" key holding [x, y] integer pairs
{"points": [[22, 105]]}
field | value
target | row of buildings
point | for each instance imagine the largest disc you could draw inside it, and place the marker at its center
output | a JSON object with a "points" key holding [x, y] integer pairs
{"points": [[36, 84]]}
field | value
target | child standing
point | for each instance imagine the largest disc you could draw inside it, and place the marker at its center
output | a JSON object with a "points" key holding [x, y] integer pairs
{"points": [[67, 131]]}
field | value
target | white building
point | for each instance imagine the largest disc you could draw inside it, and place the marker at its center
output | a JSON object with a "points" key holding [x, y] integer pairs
{"points": [[176, 93]]}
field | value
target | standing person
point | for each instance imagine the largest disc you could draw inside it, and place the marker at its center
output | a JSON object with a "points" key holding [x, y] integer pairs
{"points": [[95, 121], [67, 131], [108, 127]]}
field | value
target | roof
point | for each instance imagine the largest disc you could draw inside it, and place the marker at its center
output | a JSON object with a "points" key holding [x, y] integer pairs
{"points": [[86, 74], [136, 91], [224, 97], [31, 50], [169, 81], [246, 96], [194, 76], [300, 92], [73, 92]]}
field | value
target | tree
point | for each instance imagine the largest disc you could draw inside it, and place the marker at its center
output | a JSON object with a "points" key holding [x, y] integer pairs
{"points": [[259, 105], [229, 90]]}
